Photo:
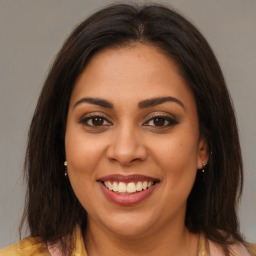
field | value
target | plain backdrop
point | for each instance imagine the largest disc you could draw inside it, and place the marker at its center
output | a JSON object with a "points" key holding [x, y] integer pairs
{"points": [[31, 33]]}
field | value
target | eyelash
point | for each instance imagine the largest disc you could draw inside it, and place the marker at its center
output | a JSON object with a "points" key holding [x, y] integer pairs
{"points": [[171, 121], [91, 117]]}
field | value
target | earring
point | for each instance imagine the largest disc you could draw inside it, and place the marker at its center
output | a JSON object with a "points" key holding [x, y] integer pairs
{"points": [[66, 171], [204, 165]]}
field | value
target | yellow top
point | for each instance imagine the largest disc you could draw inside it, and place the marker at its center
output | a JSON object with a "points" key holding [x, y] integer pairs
{"points": [[31, 247]]}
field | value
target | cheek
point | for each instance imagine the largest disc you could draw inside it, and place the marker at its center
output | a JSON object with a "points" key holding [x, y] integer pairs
{"points": [[82, 151], [83, 156], [177, 158]]}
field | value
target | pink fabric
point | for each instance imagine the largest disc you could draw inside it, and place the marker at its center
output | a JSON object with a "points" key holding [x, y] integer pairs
{"points": [[236, 250], [54, 250]]}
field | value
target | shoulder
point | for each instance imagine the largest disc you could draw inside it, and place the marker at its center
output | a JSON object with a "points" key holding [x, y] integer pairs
{"points": [[27, 247], [33, 247], [251, 248], [237, 249]]}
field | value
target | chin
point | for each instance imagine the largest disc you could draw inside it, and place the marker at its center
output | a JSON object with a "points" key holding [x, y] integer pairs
{"points": [[130, 225], [129, 230]]}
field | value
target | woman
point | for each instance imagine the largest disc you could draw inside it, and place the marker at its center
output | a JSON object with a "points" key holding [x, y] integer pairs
{"points": [[133, 148]]}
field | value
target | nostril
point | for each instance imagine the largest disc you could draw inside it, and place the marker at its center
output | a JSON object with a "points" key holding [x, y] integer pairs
{"points": [[126, 151]]}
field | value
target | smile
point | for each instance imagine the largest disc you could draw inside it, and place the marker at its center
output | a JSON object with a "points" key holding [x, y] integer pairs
{"points": [[127, 190]]}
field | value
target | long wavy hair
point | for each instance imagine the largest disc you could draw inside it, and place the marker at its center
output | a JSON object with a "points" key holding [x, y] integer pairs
{"points": [[52, 210]]}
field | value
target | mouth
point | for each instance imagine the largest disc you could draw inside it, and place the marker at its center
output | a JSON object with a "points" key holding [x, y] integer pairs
{"points": [[127, 190]]}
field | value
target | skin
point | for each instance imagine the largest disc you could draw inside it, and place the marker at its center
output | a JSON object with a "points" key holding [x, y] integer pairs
{"points": [[129, 141]]}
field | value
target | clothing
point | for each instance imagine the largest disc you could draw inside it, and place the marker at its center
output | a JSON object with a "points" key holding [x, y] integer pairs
{"points": [[209, 248], [31, 247]]}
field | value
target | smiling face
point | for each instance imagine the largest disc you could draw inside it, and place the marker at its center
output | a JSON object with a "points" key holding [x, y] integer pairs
{"points": [[132, 141]]}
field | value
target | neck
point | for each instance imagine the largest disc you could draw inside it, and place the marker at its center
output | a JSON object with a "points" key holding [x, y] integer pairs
{"points": [[175, 240]]}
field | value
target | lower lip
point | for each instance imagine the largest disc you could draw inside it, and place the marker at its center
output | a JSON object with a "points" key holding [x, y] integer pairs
{"points": [[127, 199]]}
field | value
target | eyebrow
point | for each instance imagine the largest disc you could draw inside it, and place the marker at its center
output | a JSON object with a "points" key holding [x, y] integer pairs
{"points": [[160, 100], [95, 101], [143, 104]]}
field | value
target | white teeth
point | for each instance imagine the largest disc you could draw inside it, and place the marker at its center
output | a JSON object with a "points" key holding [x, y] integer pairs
{"points": [[109, 185], [139, 186], [131, 187], [121, 187], [144, 185], [115, 187], [150, 184]]}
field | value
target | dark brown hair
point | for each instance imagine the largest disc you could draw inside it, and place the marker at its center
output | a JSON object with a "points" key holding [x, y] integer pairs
{"points": [[52, 210]]}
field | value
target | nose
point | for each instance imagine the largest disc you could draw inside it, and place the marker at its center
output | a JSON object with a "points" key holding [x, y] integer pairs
{"points": [[126, 147]]}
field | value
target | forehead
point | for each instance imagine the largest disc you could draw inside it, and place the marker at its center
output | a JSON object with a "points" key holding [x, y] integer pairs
{"points": [[131, 73]]}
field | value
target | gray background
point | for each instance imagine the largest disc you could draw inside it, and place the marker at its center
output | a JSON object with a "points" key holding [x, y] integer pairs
{"points": [[31, 33]]}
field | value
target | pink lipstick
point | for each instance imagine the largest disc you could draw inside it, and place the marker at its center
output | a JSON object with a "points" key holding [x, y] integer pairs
{"points": [[127, 189]]}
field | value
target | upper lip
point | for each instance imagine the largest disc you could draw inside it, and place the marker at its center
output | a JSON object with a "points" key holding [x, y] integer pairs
{"points": [[127, 178]]}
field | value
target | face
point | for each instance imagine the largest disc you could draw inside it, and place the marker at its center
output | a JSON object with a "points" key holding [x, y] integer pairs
{"points": [[132, 141]]}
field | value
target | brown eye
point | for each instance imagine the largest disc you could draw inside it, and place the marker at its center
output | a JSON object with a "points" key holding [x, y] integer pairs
{"points": [[97, 121], [159, 121]]}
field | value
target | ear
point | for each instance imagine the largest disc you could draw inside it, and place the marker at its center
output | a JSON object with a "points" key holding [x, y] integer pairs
{"points": [[202, 152]]}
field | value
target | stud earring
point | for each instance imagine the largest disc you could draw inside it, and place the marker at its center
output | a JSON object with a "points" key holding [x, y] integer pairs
{"points": [[66, 171], [204, 165]]}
